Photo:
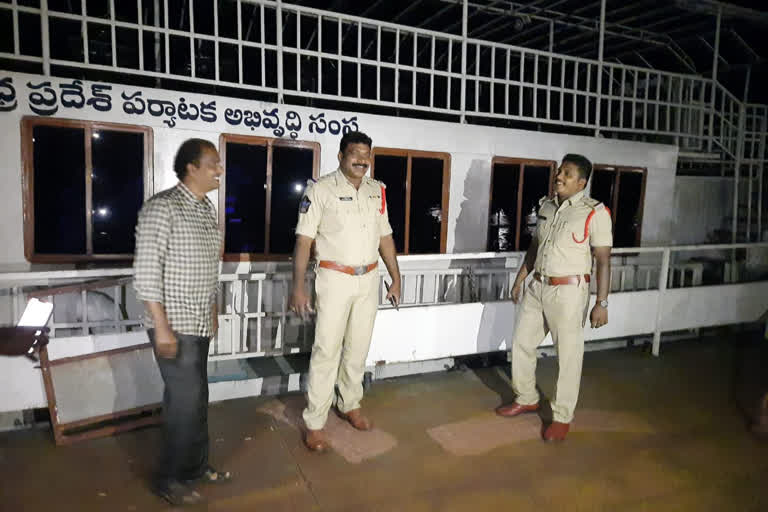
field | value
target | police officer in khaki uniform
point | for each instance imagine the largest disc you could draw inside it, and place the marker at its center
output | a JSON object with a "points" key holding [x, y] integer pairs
{"points": [[571, 229], [345, 214]]}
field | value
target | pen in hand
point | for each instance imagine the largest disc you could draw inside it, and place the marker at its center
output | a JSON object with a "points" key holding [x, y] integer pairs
{"points": [[391, 299]]}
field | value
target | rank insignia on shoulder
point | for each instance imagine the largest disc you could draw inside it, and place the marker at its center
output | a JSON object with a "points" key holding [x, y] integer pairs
{"points": [[304, 204]]}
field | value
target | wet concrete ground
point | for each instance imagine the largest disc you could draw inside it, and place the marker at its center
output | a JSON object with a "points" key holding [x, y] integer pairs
{"points": [[659, 434]]}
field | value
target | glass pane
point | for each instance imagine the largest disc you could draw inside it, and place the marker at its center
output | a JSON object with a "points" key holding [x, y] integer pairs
{"points": [[59, 188], [535, 186], [245, 197], [503, 217], [426, 205], [628, 220], [118, 189], [291, 168], [603, 183], [392, 171]]}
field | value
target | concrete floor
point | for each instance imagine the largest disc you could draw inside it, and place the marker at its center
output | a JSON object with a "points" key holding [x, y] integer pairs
{"points": [[650, 434]]}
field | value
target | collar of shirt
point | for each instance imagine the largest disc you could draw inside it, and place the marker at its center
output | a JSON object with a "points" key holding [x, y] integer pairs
{"points": [[192, 198], [341, 179], [574, 198]]}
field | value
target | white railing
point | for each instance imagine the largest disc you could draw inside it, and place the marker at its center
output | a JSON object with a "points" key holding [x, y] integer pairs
{"points": [[255, 322], [293, 50]]}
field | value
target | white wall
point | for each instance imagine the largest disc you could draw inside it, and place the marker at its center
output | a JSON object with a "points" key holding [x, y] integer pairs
{"points": [[471, 148], [701, 206]]}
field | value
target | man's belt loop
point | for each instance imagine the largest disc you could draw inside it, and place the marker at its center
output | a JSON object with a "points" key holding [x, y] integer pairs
{"points": [[346, 269]]}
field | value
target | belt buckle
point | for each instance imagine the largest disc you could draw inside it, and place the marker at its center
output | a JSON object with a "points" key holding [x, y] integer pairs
{"points": [[359, 271]]}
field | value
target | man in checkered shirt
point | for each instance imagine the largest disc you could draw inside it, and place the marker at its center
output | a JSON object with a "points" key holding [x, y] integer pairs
{"points": [[178, 247]]}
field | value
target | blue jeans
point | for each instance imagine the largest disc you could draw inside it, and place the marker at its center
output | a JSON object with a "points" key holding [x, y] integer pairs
{"points": [[185, 405]]}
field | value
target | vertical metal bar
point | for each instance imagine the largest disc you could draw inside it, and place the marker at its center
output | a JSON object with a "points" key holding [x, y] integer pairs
{"points": [[562, 87], [535, 84], [413, 75], [407, 209], [715, 58], [432, 76], [610, 93], [737, 172], [191, 37], [263, 49], [634, 98], [88, 189], [216, 41], [761, 176], [16, 45], [45, 33], [156, 25], [298, 53], [116, 310], [167, 66], [280, 51], [240, 45], [586, 96], [622, 96], [506, 85], [477, 78], [397, 65], [140, 18], [360, 55], [522, 89], [378, 62], [575, 86], [549, 77], [320, 54], [84, 306], [645, 102], [663, 276], [493, 76], [84, 30], [112, 30], [338, 57], [658, 100], [668, 126], [450, 71], [600, 58], [464, 23], [679, 116]]}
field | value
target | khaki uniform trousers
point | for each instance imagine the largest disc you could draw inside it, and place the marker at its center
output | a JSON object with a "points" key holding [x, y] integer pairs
{"points": [[561, 310], [346, 309]]}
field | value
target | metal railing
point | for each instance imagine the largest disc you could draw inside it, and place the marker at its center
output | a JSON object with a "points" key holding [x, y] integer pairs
{"points": [[254, 320], [293, 50]]}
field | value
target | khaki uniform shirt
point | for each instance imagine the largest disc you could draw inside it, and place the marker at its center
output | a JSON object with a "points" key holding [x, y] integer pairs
{"points": [[346, 224], [563, 248]]}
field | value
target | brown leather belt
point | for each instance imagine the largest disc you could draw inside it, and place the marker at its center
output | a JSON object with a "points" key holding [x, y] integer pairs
{"points": [[353, 271], [554, 281]]}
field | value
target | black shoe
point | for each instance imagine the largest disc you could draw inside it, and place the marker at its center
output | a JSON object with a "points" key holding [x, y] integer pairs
{"points": [[176, 493]]}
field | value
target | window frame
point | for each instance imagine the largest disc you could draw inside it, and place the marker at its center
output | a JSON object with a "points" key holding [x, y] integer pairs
{"points": [[270, 143], [619, 169], [522, 162], [445, 192], [28, 124]]}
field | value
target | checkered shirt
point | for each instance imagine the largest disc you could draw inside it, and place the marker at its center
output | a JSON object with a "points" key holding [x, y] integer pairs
{"points": [[178, 246]]}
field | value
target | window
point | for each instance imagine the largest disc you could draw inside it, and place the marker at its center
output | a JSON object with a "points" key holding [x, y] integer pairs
{"points": [[261, 189], [84, 184], [622, 189], [417, 183], [516, 187]]}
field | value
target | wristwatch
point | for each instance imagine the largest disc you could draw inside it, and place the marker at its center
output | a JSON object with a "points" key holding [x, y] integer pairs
{"points": [[603, 303]]}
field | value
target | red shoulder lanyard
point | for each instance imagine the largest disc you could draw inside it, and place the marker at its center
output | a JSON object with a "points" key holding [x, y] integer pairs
{"points": [[586, 226]]}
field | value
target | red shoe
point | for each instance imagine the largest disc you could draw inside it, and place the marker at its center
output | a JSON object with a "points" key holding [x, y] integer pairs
{"points": [[356, 419], [315, 440], [514, 409], [556, 431]]}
